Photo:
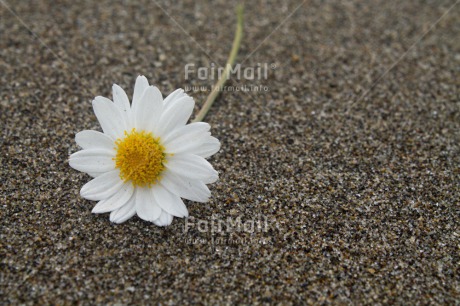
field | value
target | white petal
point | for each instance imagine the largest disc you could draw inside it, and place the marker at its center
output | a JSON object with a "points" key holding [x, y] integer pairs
{"points": [[124, 213], [93, 160], [146, 207], [192, 138], [176, 115], [141, 85], [90, 139], [111, 118], [192, 166], [194, 190], [102, 187], [186, 143], [96, 174], [189, 130], [175, 95], [208, 148], [169, 202], [120, 198], [164, 220], [120, 98], [202, 191], [148, 109]]}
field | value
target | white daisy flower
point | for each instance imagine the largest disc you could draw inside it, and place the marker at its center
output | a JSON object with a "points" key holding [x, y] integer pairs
{"points": [[148, 158]]}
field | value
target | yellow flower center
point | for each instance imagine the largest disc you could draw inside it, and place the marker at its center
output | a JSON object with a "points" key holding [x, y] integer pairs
{"points": [[140, 158]]}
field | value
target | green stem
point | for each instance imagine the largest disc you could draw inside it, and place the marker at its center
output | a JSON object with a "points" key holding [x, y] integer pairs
{"points": [[226, 73]]}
